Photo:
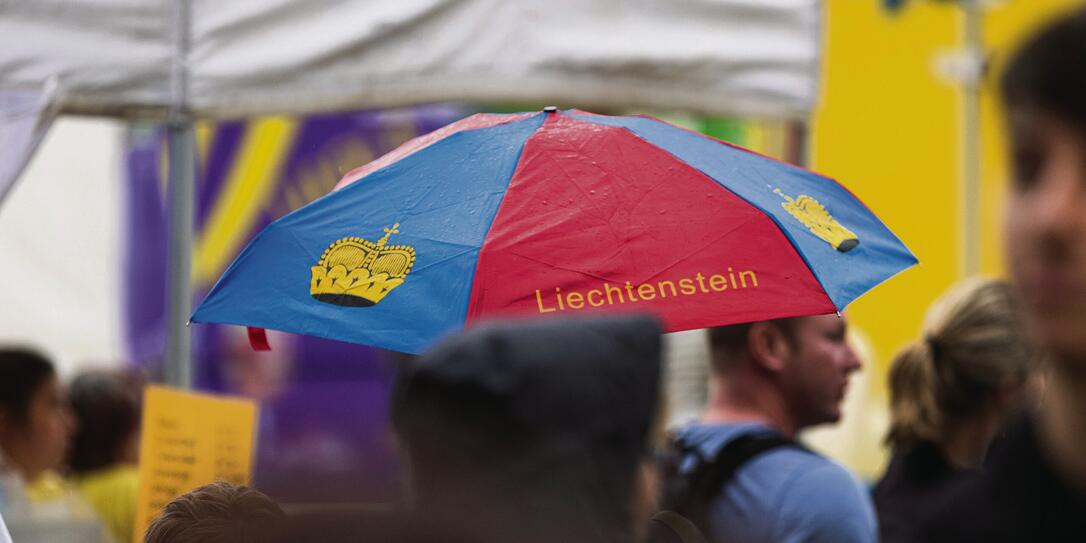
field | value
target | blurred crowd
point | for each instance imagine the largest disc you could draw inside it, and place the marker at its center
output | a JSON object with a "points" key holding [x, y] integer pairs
{"points": [[88, 432], [553, 430]]}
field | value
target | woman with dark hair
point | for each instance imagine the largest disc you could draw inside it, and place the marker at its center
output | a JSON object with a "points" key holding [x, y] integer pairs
{"points": [[35, 424], [104, 451]]}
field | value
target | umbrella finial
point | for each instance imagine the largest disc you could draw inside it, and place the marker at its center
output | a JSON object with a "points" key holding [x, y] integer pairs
{"points": [[550, 109]]}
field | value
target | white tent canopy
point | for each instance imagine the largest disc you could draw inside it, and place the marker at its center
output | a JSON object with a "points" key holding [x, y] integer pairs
{"points": [[232, 58], [244, 57]]}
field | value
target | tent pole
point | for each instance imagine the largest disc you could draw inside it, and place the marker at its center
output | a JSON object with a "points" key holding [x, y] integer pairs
{"points": [[181, 149], [182, 158]]}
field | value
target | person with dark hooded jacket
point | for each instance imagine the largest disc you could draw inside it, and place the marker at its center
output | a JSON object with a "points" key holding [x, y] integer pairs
{"points": [[533, 432]]}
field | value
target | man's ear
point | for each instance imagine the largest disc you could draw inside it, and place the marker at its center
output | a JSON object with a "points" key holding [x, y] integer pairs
{"points": [[769, 348]]}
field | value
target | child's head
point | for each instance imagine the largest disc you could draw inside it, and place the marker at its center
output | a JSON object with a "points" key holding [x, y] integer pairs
{"points": [[217, 513], [107, 413]]}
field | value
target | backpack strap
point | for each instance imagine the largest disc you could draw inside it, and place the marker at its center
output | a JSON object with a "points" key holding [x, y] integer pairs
{"points": [[687, 496], [675, 526], [709, 478]]}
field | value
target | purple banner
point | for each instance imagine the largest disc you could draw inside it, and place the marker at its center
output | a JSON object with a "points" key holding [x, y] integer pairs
{"points": [[323, 434]]}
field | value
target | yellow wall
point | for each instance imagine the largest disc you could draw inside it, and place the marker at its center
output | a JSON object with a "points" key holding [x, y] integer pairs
{"points": [[888, 128]]}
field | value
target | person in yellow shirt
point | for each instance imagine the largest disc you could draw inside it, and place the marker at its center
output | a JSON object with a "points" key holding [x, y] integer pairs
{"points": [[105, 447]]}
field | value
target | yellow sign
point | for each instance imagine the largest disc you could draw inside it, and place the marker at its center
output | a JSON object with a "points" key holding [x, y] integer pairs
{"points": [[355, 272], [189, 440]]}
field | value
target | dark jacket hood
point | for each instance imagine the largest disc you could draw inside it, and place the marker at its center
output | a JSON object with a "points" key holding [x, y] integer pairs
{"points": [[533, 427]]}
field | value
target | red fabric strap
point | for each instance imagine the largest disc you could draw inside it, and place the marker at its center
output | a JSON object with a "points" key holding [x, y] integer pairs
{"points": [[258, 339]]}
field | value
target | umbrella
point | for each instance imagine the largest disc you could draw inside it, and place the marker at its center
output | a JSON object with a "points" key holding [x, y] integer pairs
{"points": [[557, 213]]}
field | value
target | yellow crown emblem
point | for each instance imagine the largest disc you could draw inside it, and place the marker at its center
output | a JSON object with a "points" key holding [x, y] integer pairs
{"points": [[818, 220], [355, 272]]}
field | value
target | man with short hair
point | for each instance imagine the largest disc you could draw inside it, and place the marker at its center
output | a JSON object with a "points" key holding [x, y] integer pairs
{"points": [[770, 380]]}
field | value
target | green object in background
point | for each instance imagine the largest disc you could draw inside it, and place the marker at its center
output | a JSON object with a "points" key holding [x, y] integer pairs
{"points": [[725, 128]]}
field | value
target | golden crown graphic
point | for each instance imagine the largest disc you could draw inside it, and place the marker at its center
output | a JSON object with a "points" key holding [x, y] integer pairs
{"points": [[818, 220], [355, 272]]}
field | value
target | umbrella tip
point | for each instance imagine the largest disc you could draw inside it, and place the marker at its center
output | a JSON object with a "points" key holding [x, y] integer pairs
{"points": [[550, 109]]}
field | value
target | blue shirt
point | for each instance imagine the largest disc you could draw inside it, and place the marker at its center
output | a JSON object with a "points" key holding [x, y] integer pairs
{"points": [[785, 495]]}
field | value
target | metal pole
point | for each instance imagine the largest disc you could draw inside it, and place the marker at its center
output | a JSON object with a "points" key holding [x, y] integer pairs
{"points": [[181, 146], [182, 152], [969, 253]]}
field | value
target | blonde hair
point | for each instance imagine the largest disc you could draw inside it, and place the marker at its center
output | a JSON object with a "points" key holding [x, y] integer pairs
{"points": [[973, 346]]}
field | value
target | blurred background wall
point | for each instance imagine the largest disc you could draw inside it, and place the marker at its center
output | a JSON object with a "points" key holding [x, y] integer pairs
{"points": [[60, 247]]}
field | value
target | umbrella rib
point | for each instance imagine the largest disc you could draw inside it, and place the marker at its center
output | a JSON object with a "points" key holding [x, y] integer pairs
{"points": [[313, 257], [433, 186], [710, 242], [447, 258], [553, 265], [599, 211], [665, 268], [467, 249], [650, 190], [780, 227], [414, 212]]}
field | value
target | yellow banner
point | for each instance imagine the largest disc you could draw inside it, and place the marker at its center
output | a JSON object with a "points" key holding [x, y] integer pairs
{"points": [[189, 440]]}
